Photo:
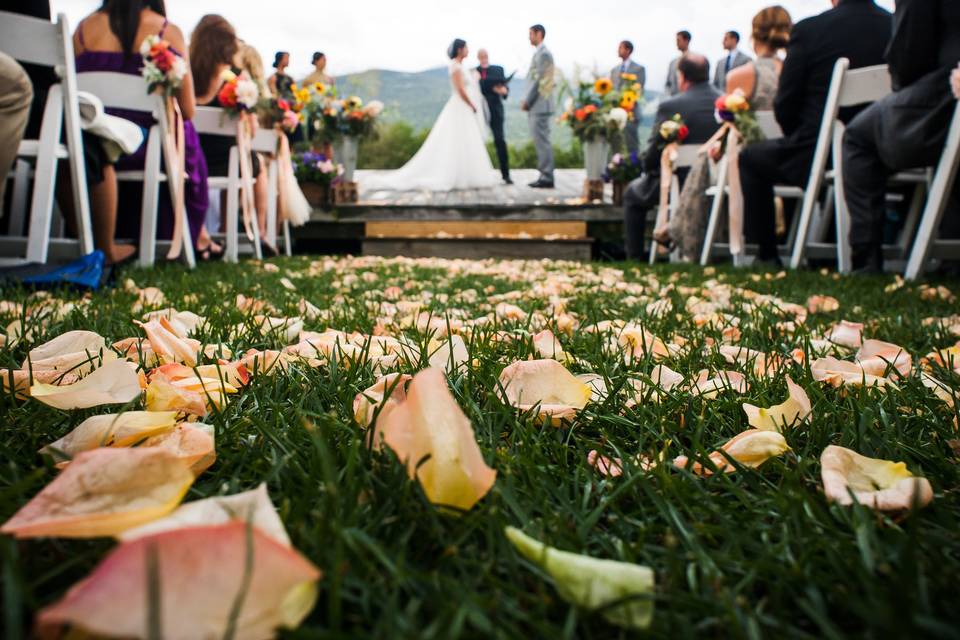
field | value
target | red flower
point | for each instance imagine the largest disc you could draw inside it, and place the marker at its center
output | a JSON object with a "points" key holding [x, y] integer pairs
{"points": [[580, 115], [721, 103], [682, 133], [228, 95], [162, 57], [283, 105]]}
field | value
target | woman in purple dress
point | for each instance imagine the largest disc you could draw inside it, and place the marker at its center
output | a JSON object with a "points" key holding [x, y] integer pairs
{"points": [[109, 40]]}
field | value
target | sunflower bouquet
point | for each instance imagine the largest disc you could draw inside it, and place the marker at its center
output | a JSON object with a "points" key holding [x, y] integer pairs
{"points": [[596, 111], [331, 118]]}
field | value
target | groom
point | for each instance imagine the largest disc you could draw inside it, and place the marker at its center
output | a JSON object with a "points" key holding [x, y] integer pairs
{"points": [[539, 106], [494, 88]]}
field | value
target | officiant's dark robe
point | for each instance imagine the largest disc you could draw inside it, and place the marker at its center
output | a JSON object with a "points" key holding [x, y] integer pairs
{"points": [[490, 78]]}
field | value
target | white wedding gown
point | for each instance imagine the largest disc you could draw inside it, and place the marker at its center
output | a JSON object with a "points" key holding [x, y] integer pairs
{"points": [[454, 155]]}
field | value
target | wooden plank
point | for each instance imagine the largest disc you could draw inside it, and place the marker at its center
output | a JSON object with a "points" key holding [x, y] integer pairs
{"points": [[476, 229], [578, 250]]}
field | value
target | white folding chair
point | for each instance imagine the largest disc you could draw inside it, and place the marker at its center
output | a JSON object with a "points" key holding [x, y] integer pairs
{"points": [[686, 157], [925, 245], [49, 44], [771, 131], [129, 92]]}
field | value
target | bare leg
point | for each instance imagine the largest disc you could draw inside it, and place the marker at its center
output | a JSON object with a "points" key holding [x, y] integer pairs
{"points": [[103, 200]]}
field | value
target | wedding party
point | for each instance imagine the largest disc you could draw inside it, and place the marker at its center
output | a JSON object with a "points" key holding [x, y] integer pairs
{"points": [[421, 321]]}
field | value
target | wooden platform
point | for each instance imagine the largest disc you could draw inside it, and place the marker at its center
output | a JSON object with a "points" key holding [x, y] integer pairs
{"points": [[507, 221]]}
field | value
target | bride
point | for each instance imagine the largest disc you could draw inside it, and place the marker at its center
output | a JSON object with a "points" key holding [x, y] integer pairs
{"points": [[454, 155]]}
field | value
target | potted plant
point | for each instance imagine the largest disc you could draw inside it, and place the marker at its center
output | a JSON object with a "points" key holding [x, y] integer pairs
{"points": [[317, 175], [622, 170]]}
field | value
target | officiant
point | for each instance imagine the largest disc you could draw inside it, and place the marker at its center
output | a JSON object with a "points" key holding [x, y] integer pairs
{"points": [[493, 84]]}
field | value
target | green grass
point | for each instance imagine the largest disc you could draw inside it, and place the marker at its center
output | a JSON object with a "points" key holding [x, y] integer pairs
{"points": [[748, 555]]}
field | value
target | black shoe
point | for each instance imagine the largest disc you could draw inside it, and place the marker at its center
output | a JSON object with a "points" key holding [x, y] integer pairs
{"points": [[542, 184], [507, 180], [867, 259], [768, 263]]}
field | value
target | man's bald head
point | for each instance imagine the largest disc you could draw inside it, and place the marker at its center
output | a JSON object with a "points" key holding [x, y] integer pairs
{"points": [[483, 57], [693, 69]]}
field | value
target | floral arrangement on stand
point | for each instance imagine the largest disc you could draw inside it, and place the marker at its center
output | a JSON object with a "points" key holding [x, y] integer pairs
{"points": [[331, 119], [596, 111], [317, 174], [735, 110], [622, 170]]}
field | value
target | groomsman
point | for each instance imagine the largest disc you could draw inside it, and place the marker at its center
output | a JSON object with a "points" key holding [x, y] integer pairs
{"points": [[539, 105], [683, 45], [734, 58], [621, 77], [493, 84]]}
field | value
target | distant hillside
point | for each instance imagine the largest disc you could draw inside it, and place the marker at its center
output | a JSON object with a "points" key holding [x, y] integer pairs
{"points": [[417, 99]]}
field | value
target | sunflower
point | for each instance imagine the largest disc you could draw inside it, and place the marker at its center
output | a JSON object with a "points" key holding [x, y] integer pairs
{"points": [[603, 86], [629, 100], [320, 88]]}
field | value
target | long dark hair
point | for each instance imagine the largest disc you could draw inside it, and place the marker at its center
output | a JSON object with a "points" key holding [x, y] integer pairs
{"points": [[212, 45], [124, 16], [455, 48]]}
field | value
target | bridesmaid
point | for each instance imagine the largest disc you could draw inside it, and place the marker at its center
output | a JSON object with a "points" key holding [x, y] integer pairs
{"points": [[281, 85], [109, 40]]}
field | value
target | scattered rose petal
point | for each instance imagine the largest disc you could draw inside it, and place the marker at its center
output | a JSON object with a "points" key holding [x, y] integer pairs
{"points": [[103, 492], [430, 423], [795, 410], [878, 484], [79, 352], [112, 430], [822, 304], [710, 388], [213, 582], [387, 392], [116, 382], [254, 507], [750, 449], [545, 384], [610, 467], [168, 345], [623, 592], [838, 373], [875, 357], [192, 444], [847, 334]]}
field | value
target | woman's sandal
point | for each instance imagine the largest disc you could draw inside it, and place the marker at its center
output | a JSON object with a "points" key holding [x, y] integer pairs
{"points": [[207, 254], [268, 250]]}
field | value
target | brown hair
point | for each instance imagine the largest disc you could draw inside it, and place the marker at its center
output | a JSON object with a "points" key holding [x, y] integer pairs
{"points": [[212, 44], [772, 27]]}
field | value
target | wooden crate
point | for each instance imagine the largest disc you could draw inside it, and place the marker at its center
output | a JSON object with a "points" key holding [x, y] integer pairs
{"points": [[593, 190], [346, 193]]}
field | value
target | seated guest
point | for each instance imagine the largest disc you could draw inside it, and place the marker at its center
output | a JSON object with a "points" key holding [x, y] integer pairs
{"points": [[16, 96], [758, 79], [854, 29], [908, 128], [695, 104], [281, 85], [109, 40], [213, 48], [320, 72], [248, 59]]}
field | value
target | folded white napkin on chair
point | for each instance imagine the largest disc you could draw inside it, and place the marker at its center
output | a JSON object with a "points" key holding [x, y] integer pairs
{"points": [[119, 136]]}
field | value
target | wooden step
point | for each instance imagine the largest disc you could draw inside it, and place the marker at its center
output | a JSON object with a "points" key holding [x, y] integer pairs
{"points": [[479, 248], [478, 229]]}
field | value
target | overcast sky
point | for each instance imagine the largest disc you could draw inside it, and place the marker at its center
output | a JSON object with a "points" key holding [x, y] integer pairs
{"points": [[412, 35]]}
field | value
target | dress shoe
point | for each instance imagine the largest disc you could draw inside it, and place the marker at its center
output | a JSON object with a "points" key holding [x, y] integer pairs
{"points": [[768, 263], [507, 180], [866, 259], [542, 184]]}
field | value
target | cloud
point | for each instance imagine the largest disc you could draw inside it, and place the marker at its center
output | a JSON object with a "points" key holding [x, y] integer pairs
{"points": [[413, 35]]}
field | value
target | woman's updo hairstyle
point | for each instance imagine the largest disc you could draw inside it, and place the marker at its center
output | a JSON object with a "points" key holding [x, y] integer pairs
{"points": [[772, 27], [277, 59], [455, 48]]}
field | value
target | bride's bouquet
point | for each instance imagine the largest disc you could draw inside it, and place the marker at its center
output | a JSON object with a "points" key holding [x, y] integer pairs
{"points": [[596, 111], [163, 69]]}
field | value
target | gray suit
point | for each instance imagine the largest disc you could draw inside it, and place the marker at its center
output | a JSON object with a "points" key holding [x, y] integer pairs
{"points": [[539, 101], [720, 75], [631, 133], [673, 84]]}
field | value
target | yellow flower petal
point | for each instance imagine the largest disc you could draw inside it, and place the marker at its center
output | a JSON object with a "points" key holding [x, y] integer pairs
{"points": [[878, 484], [547, 384], [795, 409], [112, 430], [114, 383]]}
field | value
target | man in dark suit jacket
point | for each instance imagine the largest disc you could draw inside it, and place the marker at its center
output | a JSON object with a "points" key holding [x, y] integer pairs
{"points": [[41, 77], [854, 29], [495, 91], [696, 106], [906, 129]]}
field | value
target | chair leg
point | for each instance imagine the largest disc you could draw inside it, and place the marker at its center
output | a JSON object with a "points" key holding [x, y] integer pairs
{"points": [[233, 202], [45, 178], [841, 213], [937, 202], [21, 195], [151, 200], [287, 243], [715, 210], [913, 218], [272, 179]]}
